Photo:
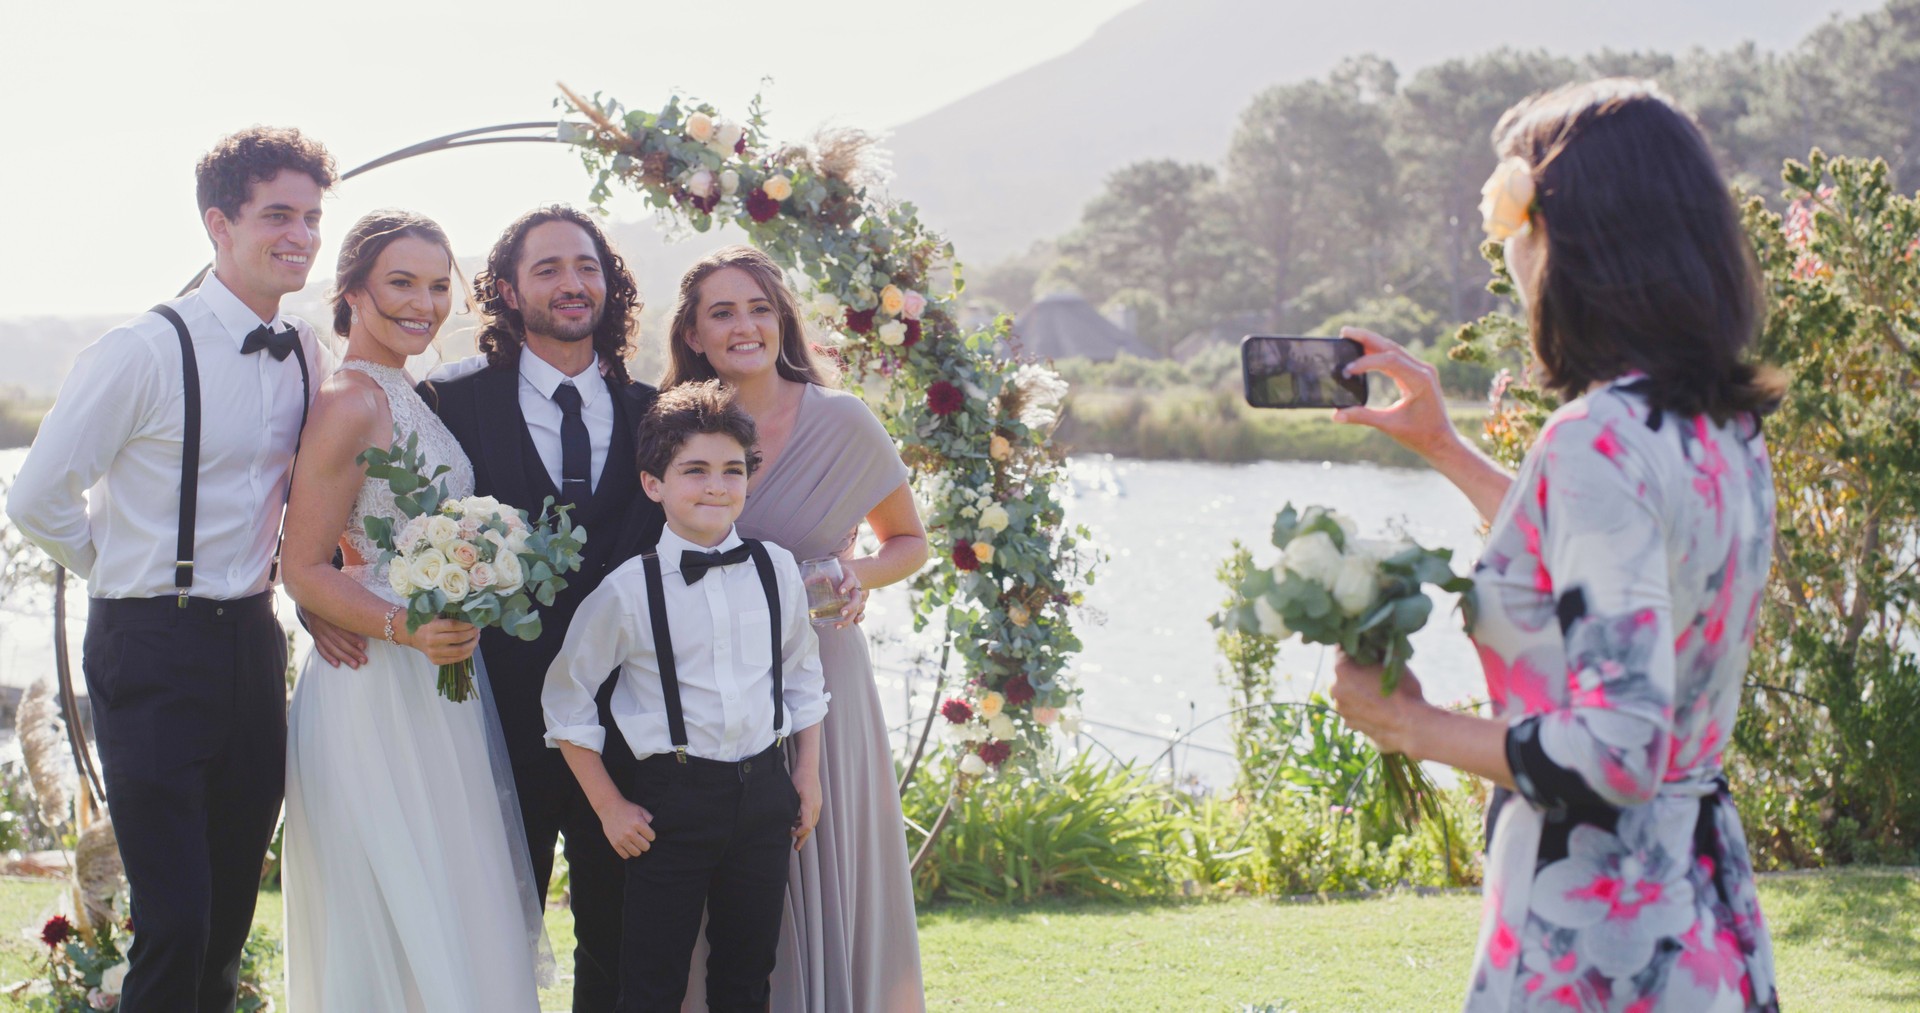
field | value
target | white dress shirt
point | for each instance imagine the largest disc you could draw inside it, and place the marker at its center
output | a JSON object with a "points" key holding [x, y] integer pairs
{"points": [[722, 647], [538, 380], [100, 489]]}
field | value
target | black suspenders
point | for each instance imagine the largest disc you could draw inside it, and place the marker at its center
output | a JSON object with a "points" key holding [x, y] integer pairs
{"points": [[663, 643], [190, 454]]}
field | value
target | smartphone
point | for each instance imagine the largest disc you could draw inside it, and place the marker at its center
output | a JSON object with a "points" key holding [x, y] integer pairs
{"points": [[1300, 372]]}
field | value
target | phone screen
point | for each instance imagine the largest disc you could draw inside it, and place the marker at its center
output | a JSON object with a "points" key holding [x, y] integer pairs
{"points": [[1300, 372]]}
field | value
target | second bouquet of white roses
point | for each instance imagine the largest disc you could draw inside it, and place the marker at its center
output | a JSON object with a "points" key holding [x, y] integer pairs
{"points": [[474, 559]]}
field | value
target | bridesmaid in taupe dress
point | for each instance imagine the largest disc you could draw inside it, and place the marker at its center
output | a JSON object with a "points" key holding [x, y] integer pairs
{"points": [[849, 940]]}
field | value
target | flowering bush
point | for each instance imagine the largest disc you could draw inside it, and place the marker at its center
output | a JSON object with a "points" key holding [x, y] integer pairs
{"points": [[974, 426], [474, 559], [85, 972]]}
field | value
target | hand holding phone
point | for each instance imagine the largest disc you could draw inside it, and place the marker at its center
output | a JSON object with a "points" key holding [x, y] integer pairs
{"points": [[1284, 372]]}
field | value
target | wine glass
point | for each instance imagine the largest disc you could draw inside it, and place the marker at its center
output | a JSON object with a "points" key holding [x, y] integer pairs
{"points": [[822, 578]]}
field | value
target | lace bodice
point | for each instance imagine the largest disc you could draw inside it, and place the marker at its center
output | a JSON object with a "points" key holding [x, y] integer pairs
{"points": [[411, 416]]}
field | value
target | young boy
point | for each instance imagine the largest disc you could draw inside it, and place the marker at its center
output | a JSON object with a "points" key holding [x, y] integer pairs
{"points": [[718, 665]]}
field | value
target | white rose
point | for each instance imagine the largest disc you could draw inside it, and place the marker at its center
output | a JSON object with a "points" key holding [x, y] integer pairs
{"points": [[1358, 582], [727, 136], [700, 184], [995, 517], [507, 574], [893, 332], [729, 182], [700, 127], [482, 576], [454, 583], [1271, 623], [1001, 727], [426, 568], [972, 765], [399, 578], [1315, 558], [517, 540], [825, 305], [442, 531], [114, 980], [1347, 526]]}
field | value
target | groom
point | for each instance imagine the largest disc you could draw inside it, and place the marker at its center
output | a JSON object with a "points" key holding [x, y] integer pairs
{"points": [[554, 413], [188, 418]]}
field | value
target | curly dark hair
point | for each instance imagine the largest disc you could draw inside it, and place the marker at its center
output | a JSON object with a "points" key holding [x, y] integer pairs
{"points": [[369, 237], [503, 331], [225, 176], [681, 413], [1646, 265], [798, 361]]}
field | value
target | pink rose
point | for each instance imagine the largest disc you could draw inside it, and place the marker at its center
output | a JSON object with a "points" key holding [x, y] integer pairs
{"points": [[464, 554], [912, 304]]}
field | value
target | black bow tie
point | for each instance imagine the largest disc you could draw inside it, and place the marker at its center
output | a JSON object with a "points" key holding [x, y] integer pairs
{"points": [[278, 344], [694, 565]]}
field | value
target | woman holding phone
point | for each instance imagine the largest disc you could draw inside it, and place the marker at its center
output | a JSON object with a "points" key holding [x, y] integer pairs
{"points": [[1618, 593]]}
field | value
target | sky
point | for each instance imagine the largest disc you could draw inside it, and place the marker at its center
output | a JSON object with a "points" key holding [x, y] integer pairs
{"points": [[107, 105]]}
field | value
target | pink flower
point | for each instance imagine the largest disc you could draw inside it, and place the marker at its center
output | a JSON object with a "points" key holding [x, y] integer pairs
{"points": [[912, 305]]}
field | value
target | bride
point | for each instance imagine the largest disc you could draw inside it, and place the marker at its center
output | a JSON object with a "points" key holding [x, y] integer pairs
{"points": [[404, 888]]}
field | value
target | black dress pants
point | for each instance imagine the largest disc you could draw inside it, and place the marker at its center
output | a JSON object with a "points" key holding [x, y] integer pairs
{"points": [[721, 845], [190, 711]]}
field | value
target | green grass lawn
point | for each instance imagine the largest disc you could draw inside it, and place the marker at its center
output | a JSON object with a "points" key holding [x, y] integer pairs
{"points": [[1846, 941]]}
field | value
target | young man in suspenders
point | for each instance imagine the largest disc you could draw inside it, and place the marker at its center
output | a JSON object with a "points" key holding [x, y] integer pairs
{"points": [[160, 477], [717, 665]]}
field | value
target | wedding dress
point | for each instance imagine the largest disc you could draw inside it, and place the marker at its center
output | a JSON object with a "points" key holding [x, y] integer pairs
{"points": [[406, 876]]}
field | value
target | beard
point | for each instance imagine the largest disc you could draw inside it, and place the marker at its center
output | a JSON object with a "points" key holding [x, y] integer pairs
{"points": [[541, 320]]}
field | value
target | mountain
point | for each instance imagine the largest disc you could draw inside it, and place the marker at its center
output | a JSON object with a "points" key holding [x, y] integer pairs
{"points": [[1016, 161]]}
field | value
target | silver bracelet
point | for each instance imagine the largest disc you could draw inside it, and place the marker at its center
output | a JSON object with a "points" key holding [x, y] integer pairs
{"points": [[394, 611]]}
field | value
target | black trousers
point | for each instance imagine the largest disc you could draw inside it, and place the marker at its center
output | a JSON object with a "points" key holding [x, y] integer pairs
{"points": [[721, 846], [553, 808], [190, 711]]}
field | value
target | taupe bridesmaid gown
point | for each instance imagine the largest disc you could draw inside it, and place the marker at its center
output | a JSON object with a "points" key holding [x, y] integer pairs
{"points": [[848, 941]]}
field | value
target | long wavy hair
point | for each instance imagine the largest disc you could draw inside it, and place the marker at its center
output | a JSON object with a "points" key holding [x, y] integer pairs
{"points": [[797, 362], [1646, 265], [503, 331], [369, 237]]}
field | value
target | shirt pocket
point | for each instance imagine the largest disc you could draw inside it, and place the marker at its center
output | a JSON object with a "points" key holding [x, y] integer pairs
{"points": [[756, 639]]}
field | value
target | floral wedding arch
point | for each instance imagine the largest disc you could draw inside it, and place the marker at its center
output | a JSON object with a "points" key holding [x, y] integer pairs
{"points": [[972, 424]]}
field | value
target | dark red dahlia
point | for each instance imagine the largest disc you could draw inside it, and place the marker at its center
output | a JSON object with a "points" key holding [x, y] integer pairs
{"points": [[944, 398], [956, 711], [996, 753], [1018, 690], [963, 557], [761, 207], [57, 930], [860, 322], [913, 334], [740, 146]]}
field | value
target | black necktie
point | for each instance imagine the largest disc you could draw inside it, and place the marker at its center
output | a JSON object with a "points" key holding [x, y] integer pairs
{"points": [[278, 344], [576, 451], [694, 565]]}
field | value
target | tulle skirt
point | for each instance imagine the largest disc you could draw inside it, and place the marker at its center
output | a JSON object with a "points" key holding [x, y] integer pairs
{"points": [[403, 888]]}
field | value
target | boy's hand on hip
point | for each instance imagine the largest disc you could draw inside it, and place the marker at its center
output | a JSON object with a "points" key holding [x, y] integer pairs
{"points": [[629, 828], [807, 784]]}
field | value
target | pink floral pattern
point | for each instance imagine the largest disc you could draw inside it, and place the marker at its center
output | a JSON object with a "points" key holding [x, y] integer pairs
{"points": [[1615, 616]]}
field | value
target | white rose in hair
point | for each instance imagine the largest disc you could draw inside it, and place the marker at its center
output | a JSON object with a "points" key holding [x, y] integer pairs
{"points": [[508, 574], [1314, 557], [442, 531], [1271, 622], [454, 583], [1359, 581], [426, 568], [483, 576]]}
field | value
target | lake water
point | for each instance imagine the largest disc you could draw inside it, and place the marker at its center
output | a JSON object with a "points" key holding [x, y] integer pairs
{"points": [[1150, 671]]}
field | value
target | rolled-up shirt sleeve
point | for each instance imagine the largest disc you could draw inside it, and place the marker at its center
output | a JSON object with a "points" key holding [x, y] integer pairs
{"points": [[102, 403], [597, 642], [804, 683]]}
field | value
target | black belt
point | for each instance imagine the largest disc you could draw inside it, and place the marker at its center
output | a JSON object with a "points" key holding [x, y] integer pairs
{"points": [[663, 644], [195, 610]]}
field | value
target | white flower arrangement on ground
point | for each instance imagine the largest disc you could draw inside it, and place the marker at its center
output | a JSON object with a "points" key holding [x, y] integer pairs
{"points": [[473, 559], [1365, 596]]}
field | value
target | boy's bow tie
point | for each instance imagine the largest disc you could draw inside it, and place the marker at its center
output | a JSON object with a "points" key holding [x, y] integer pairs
{"points": [[278, 344], [694, 565]]}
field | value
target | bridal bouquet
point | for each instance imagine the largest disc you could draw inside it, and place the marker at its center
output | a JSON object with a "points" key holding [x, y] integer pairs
{"points": [[1364, 596], [473, 559]]}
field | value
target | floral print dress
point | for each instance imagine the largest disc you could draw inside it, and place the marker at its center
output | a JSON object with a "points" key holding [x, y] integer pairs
{"points": [[1615, 610]]}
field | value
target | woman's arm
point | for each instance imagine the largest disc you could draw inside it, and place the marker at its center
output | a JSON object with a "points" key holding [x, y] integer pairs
{"points": [[903, 549], [1404, 722], [1418, 421], [348, 416]]}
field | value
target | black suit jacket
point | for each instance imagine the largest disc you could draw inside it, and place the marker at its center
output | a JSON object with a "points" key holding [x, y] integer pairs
{"points": [[482, 410]]}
